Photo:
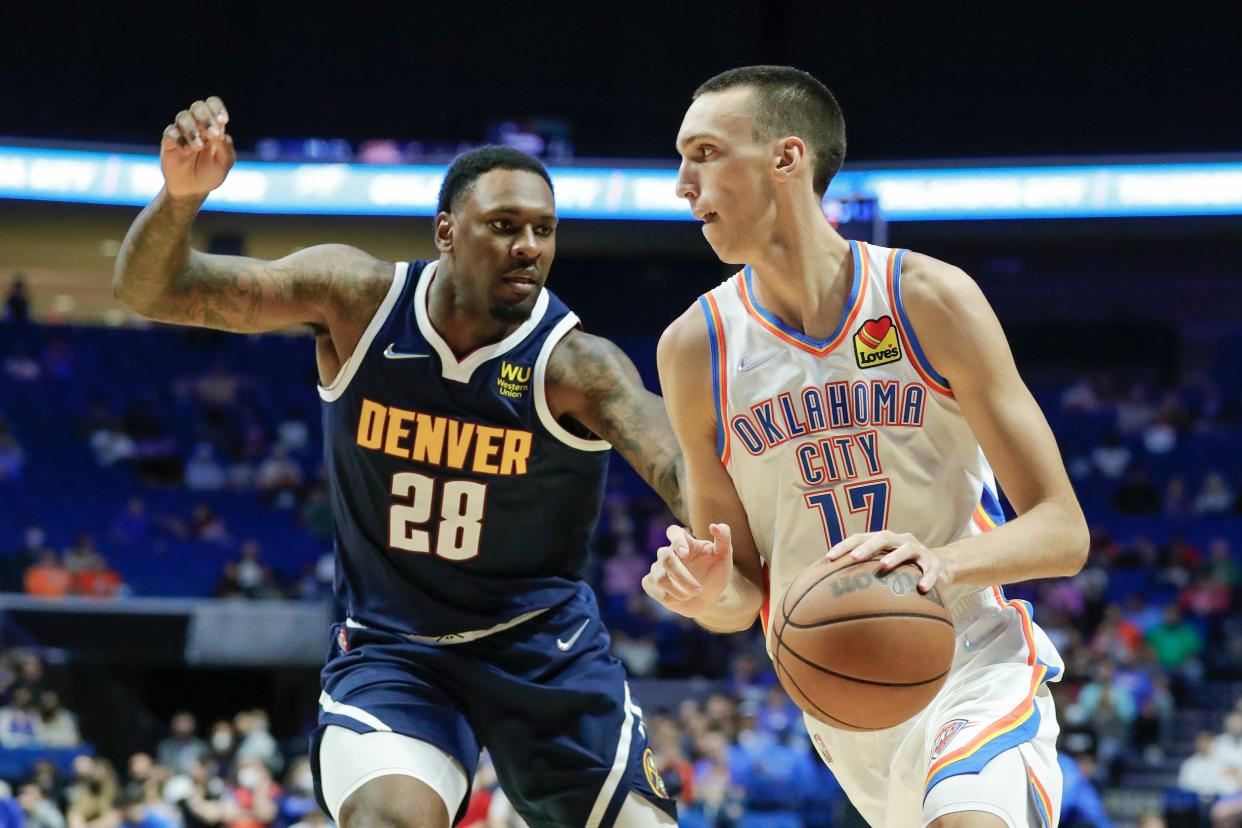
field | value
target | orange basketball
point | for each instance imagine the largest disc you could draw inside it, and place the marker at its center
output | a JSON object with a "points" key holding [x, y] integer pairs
{"points": [[858, 648]]}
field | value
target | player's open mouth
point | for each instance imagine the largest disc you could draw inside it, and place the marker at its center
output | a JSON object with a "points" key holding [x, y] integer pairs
{"points": [[708, 217]]}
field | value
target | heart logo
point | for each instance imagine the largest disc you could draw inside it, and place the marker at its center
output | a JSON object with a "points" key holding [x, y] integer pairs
{"points": [[874, 330]]}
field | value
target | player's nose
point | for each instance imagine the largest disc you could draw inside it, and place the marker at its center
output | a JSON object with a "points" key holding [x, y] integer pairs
{"points": [[687, 185], [526, 244]]}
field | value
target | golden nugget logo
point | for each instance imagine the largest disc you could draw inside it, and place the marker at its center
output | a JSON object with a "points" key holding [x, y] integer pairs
{"points": [[653, 774], [875, 343], [514, 380]]}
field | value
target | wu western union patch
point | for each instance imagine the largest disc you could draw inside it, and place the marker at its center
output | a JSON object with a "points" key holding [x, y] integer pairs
{"points": [[514, 380], [875, 343]]}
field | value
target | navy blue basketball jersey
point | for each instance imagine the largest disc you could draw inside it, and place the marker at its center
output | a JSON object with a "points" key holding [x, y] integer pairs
{"points": [[460, 503]]}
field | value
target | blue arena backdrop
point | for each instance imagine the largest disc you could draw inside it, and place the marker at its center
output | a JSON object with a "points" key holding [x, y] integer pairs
{"points": [[964, 191]]}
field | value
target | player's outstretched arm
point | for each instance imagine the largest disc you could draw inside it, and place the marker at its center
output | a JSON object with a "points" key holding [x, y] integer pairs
{"points": [[159, 275], [710, 572], [592, 381], [964, 342]]}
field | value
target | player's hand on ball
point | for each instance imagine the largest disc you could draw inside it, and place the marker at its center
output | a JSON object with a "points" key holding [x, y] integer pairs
{"points": [[197, 153], [897, 548], [689, 574]]}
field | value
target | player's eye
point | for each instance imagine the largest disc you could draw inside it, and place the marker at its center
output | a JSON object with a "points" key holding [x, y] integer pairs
{"points": [[544, 230], [706, 152], [500, 224]]}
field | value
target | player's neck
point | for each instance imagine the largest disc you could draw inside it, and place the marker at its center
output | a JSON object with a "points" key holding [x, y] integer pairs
{"points": [[804, 271], [462, 327]]}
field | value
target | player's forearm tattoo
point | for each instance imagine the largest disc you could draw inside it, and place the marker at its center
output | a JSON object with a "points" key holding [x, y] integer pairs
{"points": [[624, 413], [160, 276]]}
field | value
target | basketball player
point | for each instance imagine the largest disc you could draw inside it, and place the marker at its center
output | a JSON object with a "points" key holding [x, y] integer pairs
{"points": [[837, 398], [466, 425]]}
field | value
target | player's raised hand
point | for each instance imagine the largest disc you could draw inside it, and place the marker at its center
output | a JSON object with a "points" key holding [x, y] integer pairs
{"points": [[197, 153], [690, 574]]}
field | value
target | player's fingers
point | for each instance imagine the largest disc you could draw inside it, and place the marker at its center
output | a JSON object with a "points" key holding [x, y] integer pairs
{"points": [[651, 588], [679, 538], [189, 129], [206, 122], [931, 573], [677, 580], [849, 544], [877, 543], [723, 537], [173, 137], [218, 110], [905, 553]]}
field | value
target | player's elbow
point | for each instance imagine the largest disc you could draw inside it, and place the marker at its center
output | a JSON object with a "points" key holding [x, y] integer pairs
{"points": [[1077, 542]]}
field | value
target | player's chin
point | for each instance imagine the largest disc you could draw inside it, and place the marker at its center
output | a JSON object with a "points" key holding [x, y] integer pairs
{"points": [[508, 310], [718, 241]]}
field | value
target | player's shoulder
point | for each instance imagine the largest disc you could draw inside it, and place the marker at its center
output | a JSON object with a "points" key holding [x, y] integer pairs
{"points": [[930, 286], [684, 341]]}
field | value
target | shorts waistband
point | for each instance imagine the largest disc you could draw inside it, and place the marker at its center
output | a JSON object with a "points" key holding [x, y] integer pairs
{"points": [[461, 637], [973, 605]]}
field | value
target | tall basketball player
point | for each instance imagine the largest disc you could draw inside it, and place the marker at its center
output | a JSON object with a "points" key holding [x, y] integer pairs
{"points": [[466, 425], [837, 398]]}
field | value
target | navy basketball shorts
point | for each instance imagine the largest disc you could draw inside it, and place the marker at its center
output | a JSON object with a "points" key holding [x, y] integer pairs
{"points": [[545, 697]]}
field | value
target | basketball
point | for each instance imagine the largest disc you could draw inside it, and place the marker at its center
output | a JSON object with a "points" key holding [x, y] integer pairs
{"points": [[858, 648]]}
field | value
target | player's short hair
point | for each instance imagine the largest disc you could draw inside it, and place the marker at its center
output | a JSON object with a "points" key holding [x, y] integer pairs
{"points": [[469, 166], [788, 101]]}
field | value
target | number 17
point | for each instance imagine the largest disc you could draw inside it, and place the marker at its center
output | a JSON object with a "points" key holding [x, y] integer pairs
{"points": [[870, 497]]}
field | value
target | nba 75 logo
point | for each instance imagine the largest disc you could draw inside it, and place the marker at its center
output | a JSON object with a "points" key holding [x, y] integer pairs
{"points": [[514, 380], [875, 343]]}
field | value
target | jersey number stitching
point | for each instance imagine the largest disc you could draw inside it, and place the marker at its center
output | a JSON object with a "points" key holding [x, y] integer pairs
{"points": [[460, 526]]}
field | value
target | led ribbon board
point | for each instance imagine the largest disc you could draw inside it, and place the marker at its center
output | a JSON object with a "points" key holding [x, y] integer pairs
{"points": [[905, 194]]}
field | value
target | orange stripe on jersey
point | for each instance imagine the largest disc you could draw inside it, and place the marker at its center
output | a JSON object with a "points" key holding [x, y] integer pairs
{"points": [[766, 608], [912, 353], [722, 377], [804, 343]]}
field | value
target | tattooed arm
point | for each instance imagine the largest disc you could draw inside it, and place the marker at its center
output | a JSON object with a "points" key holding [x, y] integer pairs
{"points": [[593, 383], [333, 288]]}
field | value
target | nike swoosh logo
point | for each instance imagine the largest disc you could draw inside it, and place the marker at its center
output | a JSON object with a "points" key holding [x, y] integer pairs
{"points": [[743, 365], [565, 645], [389, 353]]}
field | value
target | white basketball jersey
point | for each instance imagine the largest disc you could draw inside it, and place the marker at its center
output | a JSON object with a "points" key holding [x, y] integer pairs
{"points": [[853, 433]]}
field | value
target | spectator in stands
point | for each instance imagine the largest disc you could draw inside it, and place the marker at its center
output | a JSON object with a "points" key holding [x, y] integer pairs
{"points": [[248, 576], [92, 796], [135, 812], [279, 475], [223, 743], [1177, 643], [17, 719], [1137, 496], [208, 527], [49, 782], [12, 457], [13, 567], [133, 526], [17, 302], [182, 745], [48, 578], [1205, 597], [1080, 801], [299, 793], [1215, 498], [1109, 710], [255, 740], [80, 555], [197, 796], [253, 797], [1111, 458], [1224, 568], [95, 579], [202, 472], [54, 725], [1204, 774], [40, 812]]}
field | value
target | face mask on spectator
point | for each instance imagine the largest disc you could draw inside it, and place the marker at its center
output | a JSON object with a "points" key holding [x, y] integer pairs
{"points": [[221, 741], [248, 777], [304, 782]]}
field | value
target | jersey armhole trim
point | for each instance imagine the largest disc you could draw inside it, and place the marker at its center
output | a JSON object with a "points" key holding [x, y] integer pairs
{"points": [[720, 376], [568, 323], [349, 367], [906, 330]]}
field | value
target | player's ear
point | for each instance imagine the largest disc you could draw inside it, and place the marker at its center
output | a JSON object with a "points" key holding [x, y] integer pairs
{"points": [[791, 158], [444, 232]]}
